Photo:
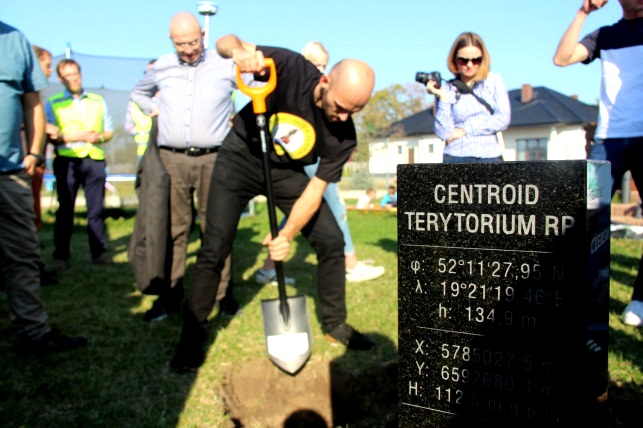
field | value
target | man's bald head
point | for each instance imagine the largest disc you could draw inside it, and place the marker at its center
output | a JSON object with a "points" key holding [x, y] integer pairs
{"points": [[187, 37], [184, 22], [354, 78], [346, 89]]}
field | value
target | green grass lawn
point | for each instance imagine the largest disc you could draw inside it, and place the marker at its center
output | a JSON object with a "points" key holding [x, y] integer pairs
{"points": [[122, 378]]}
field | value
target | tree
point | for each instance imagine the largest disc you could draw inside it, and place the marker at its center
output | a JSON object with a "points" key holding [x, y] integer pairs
{"points": [[387, 105]]}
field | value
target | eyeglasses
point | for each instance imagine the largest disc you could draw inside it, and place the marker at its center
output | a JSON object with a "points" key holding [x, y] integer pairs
{"points": [[184, 45], [464, 61]]}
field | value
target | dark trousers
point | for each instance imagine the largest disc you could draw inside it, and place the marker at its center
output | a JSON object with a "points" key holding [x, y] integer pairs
{"points": [[71, 173], [20, 256], [189, 176], [236, 179], [624, 154]]}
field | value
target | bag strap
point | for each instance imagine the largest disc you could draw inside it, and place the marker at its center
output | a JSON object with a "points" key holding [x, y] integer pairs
{"points": [[465, 89]]}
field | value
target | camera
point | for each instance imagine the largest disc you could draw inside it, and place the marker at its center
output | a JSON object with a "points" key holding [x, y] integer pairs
{"points": [[424, 78]]}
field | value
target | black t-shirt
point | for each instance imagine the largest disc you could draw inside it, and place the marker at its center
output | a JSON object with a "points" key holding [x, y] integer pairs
{"points": [[300, 130]]}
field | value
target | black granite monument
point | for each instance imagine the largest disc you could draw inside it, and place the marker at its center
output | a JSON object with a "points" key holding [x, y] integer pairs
{"points": [[503, 293]]}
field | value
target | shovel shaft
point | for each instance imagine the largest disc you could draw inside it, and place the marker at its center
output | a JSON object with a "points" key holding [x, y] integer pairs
{"points": [[272, 215], [288, 342]]}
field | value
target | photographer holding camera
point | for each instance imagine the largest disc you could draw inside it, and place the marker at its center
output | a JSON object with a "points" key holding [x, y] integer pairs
{"points": [[473, 107]]}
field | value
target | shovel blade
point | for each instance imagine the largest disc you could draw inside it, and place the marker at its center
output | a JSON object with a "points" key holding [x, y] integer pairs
{"points": [[289, 345]]}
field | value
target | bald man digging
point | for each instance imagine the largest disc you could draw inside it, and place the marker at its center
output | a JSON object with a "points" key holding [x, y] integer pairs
{"points": [[310, 119]]}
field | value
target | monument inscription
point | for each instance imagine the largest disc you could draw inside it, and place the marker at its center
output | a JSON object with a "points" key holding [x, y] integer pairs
{"points": [[503, 292]]}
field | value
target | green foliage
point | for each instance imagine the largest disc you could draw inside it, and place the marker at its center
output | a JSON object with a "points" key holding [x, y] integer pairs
{"points": [[387, 105], [361, 178]]}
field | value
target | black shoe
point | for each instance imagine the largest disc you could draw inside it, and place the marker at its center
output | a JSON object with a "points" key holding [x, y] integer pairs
{"points": [[59, 266], [156, 313], [228, 306], [188, 357], [53, 341], [167, 303], [48, 277], [189, 354], [347, 335]]}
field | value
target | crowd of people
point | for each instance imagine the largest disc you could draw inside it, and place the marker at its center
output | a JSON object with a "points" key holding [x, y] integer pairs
{"points": [[181, 117], [186, 129]]}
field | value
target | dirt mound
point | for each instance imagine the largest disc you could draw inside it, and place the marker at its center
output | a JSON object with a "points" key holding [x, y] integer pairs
{"points": [[256, 393]]}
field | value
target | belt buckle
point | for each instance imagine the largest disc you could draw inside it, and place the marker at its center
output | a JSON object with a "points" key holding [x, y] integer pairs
{"points": [[193, 151]]}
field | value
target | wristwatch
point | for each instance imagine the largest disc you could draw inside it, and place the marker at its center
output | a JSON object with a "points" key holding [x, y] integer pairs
{"points": [[39, 158]]}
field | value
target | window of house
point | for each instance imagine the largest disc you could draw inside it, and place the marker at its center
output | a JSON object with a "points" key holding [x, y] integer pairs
{"points": [[531, 149], [431, 148], [399, 150]]}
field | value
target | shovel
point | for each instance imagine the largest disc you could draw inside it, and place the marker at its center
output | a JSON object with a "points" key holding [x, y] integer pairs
{"points": [[285, 320]]}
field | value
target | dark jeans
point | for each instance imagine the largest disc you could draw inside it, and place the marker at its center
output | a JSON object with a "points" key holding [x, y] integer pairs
{"points": [[236, 179], [71, 173], [624, 154]]}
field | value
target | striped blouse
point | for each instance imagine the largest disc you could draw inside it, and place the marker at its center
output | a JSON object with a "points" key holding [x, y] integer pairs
{"points": [[464, 111]]}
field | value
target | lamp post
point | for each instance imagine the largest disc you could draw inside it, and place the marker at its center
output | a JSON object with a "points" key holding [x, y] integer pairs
{"points": [[207, 9]]}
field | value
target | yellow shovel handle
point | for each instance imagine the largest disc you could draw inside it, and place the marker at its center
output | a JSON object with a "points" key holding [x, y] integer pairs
{"points": [[259, 94]]}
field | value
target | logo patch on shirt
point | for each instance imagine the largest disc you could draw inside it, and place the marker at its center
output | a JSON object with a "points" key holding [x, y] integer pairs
{"points": [[291, 134]]}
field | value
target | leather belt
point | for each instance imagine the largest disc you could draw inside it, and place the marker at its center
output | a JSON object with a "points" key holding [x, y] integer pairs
{"points": [[192, 151]]}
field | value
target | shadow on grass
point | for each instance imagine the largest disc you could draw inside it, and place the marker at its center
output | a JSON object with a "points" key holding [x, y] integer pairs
{"points": [[122, 378]]}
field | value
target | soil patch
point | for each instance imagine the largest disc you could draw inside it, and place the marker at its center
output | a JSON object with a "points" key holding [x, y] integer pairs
{"points": [[258, 394]]}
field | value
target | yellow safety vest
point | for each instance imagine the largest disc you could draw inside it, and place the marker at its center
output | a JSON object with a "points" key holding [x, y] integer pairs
{"points": [[142, 127], [72, 119]]}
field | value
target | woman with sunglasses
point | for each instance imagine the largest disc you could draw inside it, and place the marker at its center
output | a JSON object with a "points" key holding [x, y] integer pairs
{"points": [[473, 107]]}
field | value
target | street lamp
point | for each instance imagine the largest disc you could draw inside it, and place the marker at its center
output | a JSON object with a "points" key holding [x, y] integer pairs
{"points": [[207, 9]]}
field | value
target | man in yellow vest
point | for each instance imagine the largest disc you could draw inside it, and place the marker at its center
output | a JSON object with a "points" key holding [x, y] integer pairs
{"points": [[139, 124], [83, 125]]}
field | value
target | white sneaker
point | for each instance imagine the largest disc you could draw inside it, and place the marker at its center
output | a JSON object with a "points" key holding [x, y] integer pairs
{"points": [[270, 277], [363, 272], [633, 313]]}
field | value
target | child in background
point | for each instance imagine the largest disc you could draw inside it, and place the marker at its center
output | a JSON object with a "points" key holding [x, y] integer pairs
{"points": [[390, 199], [366, 200]]}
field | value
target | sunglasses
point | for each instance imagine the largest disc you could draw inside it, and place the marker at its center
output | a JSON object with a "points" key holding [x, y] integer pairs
{"points": [[464, 61]]}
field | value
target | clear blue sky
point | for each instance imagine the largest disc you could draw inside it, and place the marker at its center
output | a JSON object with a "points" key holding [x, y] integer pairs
{"points": [[397, 37]]}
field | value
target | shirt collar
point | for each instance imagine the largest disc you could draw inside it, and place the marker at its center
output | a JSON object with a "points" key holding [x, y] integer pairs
{"points": [[68, 94], [198, 61]]}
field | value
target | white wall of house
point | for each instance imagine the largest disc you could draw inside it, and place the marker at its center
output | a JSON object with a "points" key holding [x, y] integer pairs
{"points": [[563, 143], [386, 154], [567, 143]]}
